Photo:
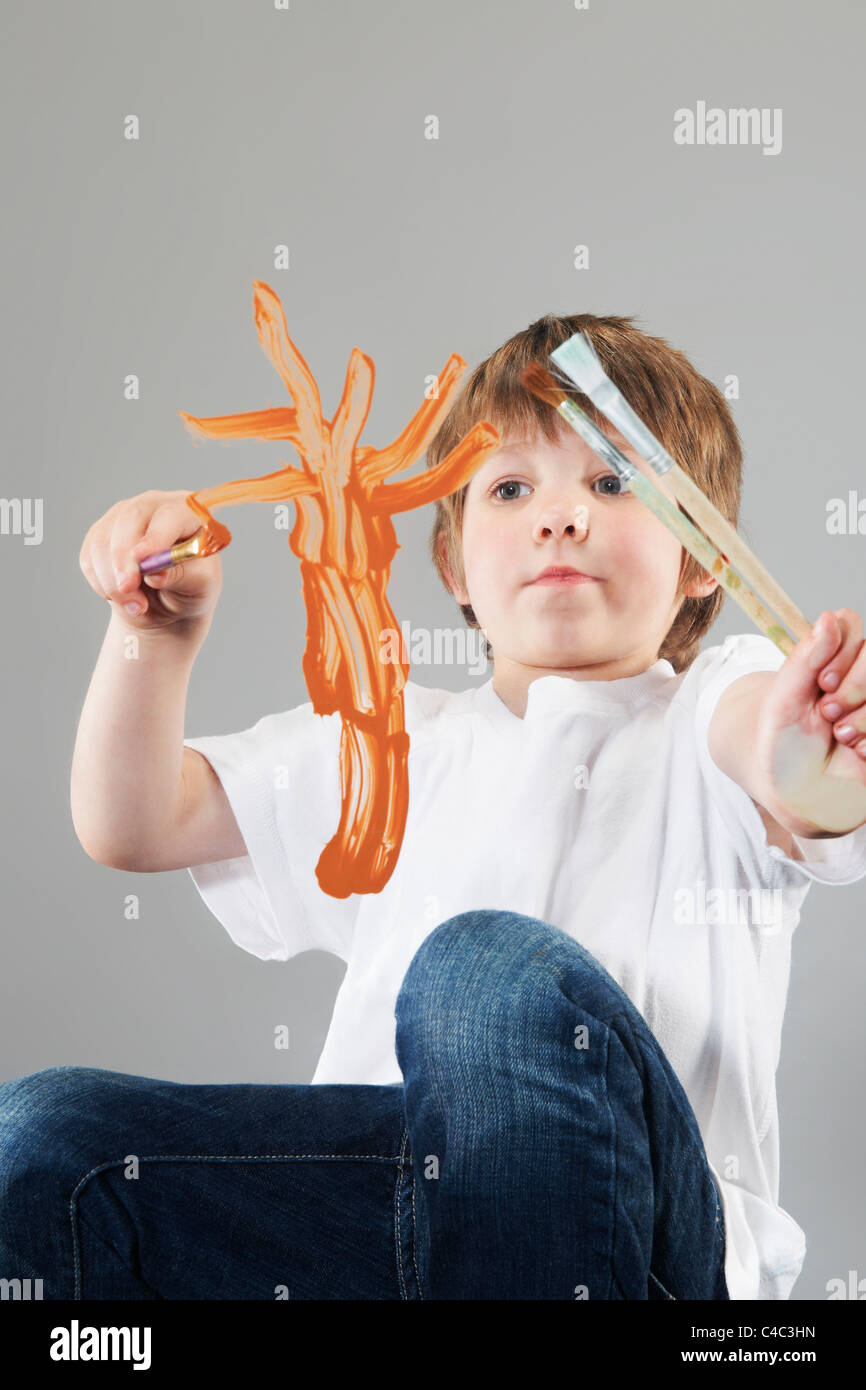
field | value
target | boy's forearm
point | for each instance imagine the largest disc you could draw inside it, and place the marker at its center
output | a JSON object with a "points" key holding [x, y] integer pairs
{"points": [[126, 783]]}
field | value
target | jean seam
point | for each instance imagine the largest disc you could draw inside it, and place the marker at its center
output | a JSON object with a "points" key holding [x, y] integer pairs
{"points": [[398, 1215], [666, 1293], [187, 1158], [614, 1164], [415, 1238], [720, 1221], [109, 1245]]}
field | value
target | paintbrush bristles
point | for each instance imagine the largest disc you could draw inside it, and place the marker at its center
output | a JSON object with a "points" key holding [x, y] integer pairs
{"points": [[540, 382]]}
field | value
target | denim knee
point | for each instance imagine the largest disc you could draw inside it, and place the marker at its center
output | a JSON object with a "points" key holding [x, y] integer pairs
{"points": [[26, 1100], [38, 1134], [499, 952], [488, 974], [443, 959]]}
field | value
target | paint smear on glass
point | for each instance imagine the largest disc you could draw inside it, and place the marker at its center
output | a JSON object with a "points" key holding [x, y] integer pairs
{"points": [[345, 541], [830, 803]]}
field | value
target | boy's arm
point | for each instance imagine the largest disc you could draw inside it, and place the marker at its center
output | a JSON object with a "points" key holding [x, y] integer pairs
{"points": [[770, 735], [140, 801]]}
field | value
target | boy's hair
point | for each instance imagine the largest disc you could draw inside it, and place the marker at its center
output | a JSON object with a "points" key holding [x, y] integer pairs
{"points": [[685, 411]]}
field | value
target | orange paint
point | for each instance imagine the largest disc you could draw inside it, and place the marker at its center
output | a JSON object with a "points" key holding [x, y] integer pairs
{"points": [[345, 540]]}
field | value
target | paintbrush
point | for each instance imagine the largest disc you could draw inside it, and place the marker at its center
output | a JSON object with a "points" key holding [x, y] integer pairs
{"points": [[578, 359], [540, 381], [164, 559]]}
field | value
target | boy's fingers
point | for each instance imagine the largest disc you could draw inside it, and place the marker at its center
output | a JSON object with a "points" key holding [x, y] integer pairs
{"points": [[160, 578], [848, 719], [814, 652], [127, 531], [848, 664], [823, 643], [100, 559], [169, 524], [93, 581], [850, 729], [794, 690]]}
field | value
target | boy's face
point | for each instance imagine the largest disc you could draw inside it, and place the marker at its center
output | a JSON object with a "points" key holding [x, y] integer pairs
{"points": [[535, 504]]}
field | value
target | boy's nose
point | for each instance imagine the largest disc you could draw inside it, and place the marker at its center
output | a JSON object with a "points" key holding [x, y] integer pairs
{"points": [[562, 521]]}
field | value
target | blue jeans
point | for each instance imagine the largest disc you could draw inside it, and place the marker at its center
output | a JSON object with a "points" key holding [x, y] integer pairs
{"points": [[539, 1147]]}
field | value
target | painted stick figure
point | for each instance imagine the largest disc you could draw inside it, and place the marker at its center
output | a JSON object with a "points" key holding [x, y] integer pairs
{"points": [[345, 540]]}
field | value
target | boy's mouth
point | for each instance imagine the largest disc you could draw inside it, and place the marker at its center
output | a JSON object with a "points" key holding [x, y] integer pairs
{"points": [[563, 574]]}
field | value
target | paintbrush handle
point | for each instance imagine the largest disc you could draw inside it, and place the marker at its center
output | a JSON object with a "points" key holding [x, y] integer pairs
{"points": [[649, 491], [708, 556], [720, 530], [164, 559]]}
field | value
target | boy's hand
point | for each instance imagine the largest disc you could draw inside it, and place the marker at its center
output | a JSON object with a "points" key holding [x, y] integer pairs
{"points": [[815, 767], [116, 544]]}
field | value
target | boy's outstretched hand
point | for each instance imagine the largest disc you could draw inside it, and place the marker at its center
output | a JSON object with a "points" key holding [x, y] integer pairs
{"points": [[810, 742]]}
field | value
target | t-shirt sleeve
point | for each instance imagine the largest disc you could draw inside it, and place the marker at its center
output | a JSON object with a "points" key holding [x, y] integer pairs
{"points": [[837, 860], [282, 780]]}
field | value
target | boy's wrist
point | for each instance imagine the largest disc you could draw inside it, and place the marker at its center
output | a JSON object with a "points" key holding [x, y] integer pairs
{"points": [[185, 633], [790, 819]]}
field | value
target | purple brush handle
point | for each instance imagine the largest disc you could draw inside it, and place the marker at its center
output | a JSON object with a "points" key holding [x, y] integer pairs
{"points": [[160, 561], [175, 555]]}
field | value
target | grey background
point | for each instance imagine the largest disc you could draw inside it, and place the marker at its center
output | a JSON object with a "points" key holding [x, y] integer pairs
{"points": [[260, 127]]}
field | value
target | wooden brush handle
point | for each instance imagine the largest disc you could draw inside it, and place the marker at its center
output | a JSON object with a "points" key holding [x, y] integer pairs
{"points": [[705, 552], [723, 535]]}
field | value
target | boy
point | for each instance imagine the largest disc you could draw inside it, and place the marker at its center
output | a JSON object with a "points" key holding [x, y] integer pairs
{"points": [[665, 808]]}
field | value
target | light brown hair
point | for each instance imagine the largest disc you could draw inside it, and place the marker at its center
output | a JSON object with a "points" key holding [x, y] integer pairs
{"points": [[685, 411]]}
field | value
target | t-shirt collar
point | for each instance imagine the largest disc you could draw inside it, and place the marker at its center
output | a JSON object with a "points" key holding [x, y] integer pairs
{"points": [[564, 693]]}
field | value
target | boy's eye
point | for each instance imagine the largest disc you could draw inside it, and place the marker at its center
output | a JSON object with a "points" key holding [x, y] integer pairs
{"points": [[621, 489], [506, 482]]}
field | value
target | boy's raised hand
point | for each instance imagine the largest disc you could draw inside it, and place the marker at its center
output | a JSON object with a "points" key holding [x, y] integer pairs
{"points": [[816, 767], [118, 541]]}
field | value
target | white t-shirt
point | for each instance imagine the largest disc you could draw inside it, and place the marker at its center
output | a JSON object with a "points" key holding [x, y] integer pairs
{"points": [[601, 812]]}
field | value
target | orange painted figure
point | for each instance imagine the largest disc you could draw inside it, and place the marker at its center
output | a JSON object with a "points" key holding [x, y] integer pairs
{"points": [[345, 540]]}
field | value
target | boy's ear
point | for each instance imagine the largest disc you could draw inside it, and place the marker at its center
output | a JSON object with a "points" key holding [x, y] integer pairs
{"points": [[696, 588], [459, 593], [701, 588]]}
